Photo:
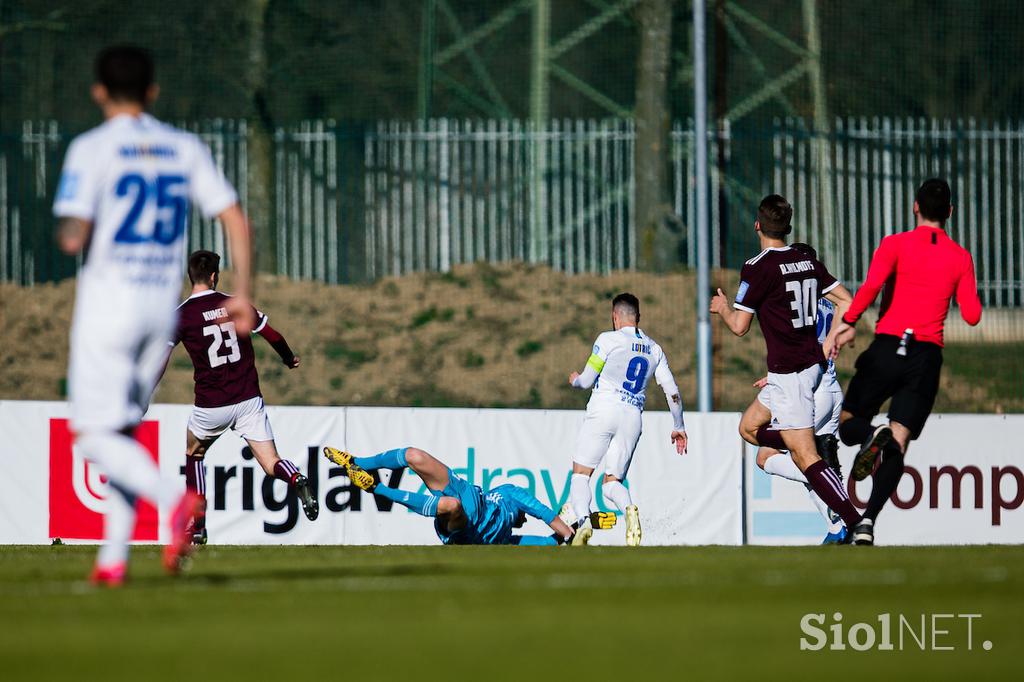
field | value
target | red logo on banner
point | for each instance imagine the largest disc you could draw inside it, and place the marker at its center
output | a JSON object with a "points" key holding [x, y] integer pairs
{"points": [[78, 493]]}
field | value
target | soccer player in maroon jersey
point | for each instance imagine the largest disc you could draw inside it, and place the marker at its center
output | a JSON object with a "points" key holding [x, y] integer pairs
{"points": [[921, 270], [227, 385], [782, 286]]}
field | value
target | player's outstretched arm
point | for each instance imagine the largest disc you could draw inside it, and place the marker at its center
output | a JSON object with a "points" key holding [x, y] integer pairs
{"points": [[531, 506], [738, 321], [278, 343], [967, 294], [236, 229], [595, 363], [663, 375], [841, 333], [73, 235]]}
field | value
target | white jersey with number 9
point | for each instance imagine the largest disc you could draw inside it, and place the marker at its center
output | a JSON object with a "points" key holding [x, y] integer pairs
{"points": [[627, 359]]}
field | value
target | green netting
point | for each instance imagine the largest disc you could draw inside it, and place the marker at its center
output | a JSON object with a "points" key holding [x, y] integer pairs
{"points": [[372, 140]]}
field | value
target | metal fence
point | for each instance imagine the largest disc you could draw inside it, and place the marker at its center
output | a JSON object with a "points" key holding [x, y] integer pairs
{"points": [[872, 169], [351, 203]]}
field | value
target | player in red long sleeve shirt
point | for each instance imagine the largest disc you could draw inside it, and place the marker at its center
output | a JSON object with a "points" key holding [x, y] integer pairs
{"points": [[921, 271]]}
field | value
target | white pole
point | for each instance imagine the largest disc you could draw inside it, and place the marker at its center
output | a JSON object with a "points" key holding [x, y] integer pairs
{"points": [[700, 132]]}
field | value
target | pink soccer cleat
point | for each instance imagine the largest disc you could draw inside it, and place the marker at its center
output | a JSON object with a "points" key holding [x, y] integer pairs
{"points": [[109, 576], [188, 508]]}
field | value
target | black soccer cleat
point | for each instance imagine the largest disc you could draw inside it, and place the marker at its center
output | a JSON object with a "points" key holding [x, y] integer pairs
{"points": [[199, 536], [310, 505], [863, 533], [828, 450], [864, 462]]}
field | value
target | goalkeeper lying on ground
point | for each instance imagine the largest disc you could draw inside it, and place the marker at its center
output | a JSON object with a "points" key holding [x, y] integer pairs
{"points": [[463, 513]]}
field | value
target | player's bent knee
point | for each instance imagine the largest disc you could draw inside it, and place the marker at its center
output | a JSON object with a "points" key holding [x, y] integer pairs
{"points": [[449, 505], [762, 456], [414, 457]]}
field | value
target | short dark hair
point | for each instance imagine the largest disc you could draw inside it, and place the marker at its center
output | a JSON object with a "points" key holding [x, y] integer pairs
{"points": [[805, 249], [774, 215], [202, 265], [126, 72], [934, 200], [627, 304]]}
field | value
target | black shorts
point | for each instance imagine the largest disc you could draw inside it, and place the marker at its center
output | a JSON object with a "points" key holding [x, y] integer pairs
{"points": [[912, 381]]}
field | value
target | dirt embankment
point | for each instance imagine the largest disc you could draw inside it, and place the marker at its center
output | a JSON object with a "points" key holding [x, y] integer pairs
{"points": [[478, 336]]}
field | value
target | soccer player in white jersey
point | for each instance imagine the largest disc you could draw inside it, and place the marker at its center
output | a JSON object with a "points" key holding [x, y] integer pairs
{"points": [[828, 404], [619, 369], [123, 201]]}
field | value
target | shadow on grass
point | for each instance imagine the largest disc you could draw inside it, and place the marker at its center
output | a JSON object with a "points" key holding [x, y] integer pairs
{"points": [[305, 573]]}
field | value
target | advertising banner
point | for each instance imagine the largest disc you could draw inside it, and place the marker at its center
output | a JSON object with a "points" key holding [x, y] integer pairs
{"points": [[963, 484], [54, 492]]}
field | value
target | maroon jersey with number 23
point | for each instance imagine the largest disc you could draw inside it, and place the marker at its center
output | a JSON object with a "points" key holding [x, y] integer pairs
{"points": [[782, 287], [225, 365]]}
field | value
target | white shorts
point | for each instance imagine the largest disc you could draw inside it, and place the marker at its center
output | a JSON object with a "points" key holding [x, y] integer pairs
{"points": [[248, 419], [609, 432], [828, 405], [116, 358], [791, 398]]}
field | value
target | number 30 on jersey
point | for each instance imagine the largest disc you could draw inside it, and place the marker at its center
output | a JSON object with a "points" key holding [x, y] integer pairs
{"points": [[805, 302]]}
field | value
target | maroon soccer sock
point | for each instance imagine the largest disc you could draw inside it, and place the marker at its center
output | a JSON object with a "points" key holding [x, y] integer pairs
{"points": [[195, 481], [286, 471], [830, 489], [770, 438]]}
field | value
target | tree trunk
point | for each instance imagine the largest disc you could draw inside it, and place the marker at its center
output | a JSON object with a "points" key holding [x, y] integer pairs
{"points": [[658, 246], [260, 143]]}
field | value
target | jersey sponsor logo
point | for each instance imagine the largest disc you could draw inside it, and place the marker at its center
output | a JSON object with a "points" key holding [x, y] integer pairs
{"points": [[791, 268], [68, 187], [78, 492], [143, 151], [742, 291]]}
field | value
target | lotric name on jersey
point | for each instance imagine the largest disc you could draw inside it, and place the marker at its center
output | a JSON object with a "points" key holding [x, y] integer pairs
{"points": [[642, 348]]}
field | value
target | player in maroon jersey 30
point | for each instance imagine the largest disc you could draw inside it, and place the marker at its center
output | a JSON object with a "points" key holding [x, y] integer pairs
{"points": [[227, 385], [782, 286]]}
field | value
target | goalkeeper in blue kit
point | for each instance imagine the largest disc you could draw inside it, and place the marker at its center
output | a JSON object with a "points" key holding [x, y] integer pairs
{"points": [[463, 513]]}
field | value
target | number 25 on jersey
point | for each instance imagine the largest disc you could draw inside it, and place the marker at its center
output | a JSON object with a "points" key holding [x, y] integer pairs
{"points": [[171, 209]]}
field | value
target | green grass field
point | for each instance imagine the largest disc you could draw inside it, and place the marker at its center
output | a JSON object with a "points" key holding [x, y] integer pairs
{"points": [[413, 613]]}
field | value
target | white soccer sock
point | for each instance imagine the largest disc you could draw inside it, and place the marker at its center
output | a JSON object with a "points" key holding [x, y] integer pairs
{"points": [[128, 465], [617, 494], [118, 524], [834, 523], [783, 465], [579, 495]]}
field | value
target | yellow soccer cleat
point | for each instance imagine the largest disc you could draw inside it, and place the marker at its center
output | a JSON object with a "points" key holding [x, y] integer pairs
{"points": [[633, 532], [582, 536], [603, 520], [363, 479]]}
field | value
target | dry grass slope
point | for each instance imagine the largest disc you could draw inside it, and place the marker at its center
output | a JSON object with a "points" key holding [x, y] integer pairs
{"points": [[479, 336]]}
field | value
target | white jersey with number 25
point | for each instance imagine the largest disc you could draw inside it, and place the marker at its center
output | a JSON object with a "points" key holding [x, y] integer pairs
{"points": [[135, 178]]}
